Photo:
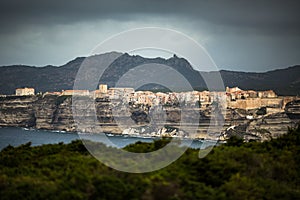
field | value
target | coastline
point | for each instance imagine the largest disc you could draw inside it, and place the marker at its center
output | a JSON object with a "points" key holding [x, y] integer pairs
{"points": [[16, 136], [108, 134]]}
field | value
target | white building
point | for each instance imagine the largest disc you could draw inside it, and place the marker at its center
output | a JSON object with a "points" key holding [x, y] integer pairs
{"points": [[24, 91]]}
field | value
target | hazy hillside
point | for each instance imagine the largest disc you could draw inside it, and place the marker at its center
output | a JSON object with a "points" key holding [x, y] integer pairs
{"points": [[53, 78]]}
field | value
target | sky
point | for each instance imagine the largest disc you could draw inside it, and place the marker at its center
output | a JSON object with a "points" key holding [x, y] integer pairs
{"points": [[251, 36]]}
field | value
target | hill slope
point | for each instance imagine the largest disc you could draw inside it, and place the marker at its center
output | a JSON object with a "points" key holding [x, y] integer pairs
{"points": [[53, 78]]}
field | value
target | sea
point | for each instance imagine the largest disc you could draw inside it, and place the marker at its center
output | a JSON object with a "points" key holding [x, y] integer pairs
{"points": [[17, 136]]}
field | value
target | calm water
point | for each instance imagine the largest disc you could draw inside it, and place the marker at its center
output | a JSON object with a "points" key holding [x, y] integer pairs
{"points": [[18, 136]]}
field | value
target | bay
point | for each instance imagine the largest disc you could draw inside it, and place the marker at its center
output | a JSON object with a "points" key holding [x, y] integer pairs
{"points": [[17, 136]]}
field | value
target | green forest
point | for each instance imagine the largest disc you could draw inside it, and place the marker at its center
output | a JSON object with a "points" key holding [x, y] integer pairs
{"points": [[235, 170]]}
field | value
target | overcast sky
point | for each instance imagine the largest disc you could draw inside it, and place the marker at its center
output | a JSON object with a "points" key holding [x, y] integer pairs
{"points": [[238, 35]]}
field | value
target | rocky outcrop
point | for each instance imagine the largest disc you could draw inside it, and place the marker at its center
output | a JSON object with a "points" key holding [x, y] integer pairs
{"points": [[17, 111], [262, 127], [292, 109], [273, 125]]}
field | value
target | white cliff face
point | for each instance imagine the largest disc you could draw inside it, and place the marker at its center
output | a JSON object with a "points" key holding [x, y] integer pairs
{"points": [[131, 131]]}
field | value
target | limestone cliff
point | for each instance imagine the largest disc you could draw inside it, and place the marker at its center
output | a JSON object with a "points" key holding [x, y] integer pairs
{"points": [[264, 126], [292, 109], [55, 113], [17, 111]]}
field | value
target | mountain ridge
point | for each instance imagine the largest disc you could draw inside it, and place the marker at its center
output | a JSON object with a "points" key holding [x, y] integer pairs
{"points": [[56, 78]]}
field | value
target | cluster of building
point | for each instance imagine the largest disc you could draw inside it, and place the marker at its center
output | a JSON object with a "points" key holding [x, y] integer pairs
{"points": [[236, 93], [250, 99], [234, 97]]}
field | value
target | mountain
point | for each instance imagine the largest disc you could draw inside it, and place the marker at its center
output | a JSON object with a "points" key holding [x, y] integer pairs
{"points": [[282, 81], [57, 78]]}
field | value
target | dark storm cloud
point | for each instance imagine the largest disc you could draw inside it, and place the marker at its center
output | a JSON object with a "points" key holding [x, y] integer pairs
{"points": [[266, 16], [239, 35]]}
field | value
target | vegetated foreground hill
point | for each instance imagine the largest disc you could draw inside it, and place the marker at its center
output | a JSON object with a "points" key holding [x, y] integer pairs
{"points": [[52, 78], [235, 170]]}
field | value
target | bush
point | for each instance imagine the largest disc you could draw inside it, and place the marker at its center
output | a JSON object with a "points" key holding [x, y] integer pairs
{"points": [[237, 170]]}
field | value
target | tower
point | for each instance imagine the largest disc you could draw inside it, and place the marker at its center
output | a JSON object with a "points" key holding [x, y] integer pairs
{"points": [[103, 88]]}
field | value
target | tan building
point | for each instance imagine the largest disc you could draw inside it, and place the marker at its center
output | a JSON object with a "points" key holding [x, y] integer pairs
{"points": [[267, 94], [118, 93], [251, 94], [236, 93], [98, 94], [103, 88], [160, 98], [254, 103], [234, 89], [76, 92], [204, 96], [53, 93], [24, 91], [144, 99]]}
